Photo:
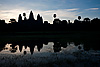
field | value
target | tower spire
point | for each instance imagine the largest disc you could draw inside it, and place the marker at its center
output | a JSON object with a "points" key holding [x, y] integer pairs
{"points": [[31, 17]]}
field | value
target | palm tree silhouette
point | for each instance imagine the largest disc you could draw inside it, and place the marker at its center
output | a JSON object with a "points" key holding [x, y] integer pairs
{"points": [[54, 15], [24, 14], [79, 17]]}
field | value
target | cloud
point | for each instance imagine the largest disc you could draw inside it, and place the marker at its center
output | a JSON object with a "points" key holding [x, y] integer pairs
{"points": [[92, 9], [66, 14]]}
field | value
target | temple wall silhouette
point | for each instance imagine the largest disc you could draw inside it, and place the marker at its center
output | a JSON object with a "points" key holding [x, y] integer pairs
{"points": [[31, 24]]}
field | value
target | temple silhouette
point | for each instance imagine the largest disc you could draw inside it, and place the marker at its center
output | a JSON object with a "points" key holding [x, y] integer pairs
{"points": [[30, 24]]}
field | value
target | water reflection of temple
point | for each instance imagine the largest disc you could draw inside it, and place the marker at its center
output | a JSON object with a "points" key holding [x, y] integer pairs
{"points": [[29, 44], [23, 46]]}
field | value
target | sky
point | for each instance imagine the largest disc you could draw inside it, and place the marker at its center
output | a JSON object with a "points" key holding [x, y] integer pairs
{"points": [[64, 9]]}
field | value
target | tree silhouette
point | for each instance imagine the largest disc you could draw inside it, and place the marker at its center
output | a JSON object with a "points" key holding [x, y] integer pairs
{"points": [[86, 19], [24, 14], [54, 15], [79, 17]]}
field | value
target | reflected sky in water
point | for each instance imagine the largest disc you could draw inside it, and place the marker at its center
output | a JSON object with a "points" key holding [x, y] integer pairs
{"points": [[68, 47]]}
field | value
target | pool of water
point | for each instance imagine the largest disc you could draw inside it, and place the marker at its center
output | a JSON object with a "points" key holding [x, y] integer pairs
{"points": [[50, 53]]}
